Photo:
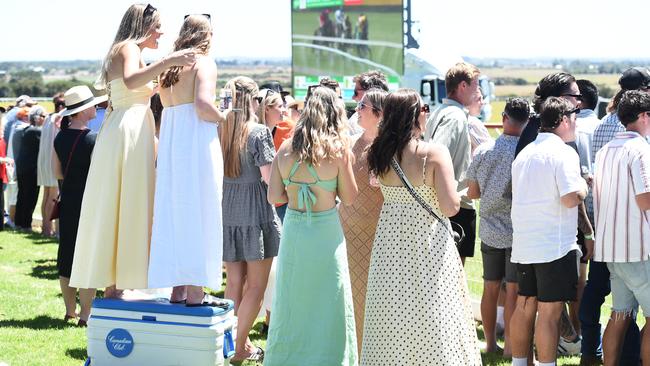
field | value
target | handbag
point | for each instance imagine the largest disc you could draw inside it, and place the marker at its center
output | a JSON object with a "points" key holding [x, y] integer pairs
{"points": [[454, 229], [54, 213]]}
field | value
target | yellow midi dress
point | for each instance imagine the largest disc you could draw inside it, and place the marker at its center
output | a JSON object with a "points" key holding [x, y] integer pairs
{"points": [[112, 246]]}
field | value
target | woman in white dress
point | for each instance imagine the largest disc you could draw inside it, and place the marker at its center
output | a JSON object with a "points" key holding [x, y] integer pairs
{"points": [[187, 236]]}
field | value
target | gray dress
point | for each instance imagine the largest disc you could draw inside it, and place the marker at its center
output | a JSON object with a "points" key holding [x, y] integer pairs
{"points": [[251, 229]]}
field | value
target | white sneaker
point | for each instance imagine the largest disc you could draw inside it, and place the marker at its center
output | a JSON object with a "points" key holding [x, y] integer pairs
{"points": [[567, 348]]}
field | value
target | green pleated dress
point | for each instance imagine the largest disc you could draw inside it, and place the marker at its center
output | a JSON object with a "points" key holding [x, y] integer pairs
{"points": [[312, 322]]}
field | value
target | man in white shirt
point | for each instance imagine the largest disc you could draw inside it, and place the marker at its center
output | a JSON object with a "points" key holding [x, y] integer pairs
{"points": [[621, 204], [546, 191]]}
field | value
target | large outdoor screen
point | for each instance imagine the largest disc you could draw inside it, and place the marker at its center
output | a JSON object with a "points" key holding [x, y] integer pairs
{"points": [[342, 38]]}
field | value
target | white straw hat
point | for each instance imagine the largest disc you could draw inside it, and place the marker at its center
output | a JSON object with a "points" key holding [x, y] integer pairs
{"points": [[79, 98]]}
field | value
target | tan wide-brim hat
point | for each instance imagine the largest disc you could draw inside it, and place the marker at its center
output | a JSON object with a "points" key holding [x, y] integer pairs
{"points": [[79, 98]]}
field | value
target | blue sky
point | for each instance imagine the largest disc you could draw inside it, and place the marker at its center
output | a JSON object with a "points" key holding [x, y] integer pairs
{"points": [[84, 29]]}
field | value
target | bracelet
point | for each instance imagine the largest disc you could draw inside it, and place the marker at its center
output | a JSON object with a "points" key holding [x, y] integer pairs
{"points": [[589, 237]]}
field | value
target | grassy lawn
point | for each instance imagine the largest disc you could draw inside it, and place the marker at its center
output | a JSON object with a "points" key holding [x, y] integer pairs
{"points": [[31, 311]]}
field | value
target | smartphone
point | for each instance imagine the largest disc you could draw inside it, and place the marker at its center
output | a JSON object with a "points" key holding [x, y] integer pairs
{"points": [[226, 98]]}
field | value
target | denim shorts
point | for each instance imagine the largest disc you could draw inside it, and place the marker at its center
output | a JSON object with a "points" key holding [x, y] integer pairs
{"points": [[630, 286]]}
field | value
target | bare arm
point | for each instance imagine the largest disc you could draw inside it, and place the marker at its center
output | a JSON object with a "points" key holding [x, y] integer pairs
{"points": [[56, 166], [643, 200], [585, 226], [443, 179], [135, 76], [265, 171], [573, 199], [277, 192], [347, 189], [204, 91], [473, 190]]}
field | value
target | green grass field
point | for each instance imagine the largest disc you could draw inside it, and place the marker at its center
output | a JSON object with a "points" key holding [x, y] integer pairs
{"points": [[381, 27]]}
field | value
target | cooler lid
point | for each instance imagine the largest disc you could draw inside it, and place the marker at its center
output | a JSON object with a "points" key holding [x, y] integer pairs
{"points": [[161, 306]]}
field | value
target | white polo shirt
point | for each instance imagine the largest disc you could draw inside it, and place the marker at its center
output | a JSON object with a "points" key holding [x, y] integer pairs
{"points": [[622, 172], [543, 229]]}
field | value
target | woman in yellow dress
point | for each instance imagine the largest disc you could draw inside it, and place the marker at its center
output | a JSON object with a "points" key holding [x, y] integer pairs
{"points": [[112, 246]]}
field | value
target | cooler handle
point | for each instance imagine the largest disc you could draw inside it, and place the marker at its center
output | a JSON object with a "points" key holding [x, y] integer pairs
{"points": [[228, 344]]}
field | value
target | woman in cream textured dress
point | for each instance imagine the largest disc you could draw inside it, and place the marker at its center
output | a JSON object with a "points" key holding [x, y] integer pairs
{"points": [[359, 220], [112, 247], [417, 305]]}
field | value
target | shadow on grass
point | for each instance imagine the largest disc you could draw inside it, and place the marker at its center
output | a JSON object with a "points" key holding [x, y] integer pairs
{"points": [[77, 353], [37, 323], [256, 332], [39, 239], [45, 269]]}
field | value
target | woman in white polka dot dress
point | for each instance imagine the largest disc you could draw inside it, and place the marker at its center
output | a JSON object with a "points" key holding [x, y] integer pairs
{"points": [[417, 305]]}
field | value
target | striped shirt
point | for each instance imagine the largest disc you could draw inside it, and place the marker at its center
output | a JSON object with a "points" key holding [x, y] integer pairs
{"points": [[605, 132], [622, 172]]}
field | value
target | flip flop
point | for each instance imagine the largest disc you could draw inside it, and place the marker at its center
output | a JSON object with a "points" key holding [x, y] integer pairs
{"points": [[209, 300], [256, 356], [178, 302]]}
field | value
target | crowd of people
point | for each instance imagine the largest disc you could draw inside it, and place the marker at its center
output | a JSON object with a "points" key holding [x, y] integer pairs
{"points": [[342, 228]]}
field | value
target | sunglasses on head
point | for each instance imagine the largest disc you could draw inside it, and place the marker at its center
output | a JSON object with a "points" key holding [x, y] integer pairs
{"points": [[268, 92], [149, 10], [205, 15]]}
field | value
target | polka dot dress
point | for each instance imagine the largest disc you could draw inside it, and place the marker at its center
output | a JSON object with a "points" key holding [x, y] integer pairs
{"points": [[417, 305]]}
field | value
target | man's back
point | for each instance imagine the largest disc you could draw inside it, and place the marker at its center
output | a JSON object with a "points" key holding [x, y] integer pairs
{"points": [[622, 172], [544, 229]]}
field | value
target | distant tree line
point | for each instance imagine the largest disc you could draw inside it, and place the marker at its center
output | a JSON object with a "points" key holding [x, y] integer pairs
{"points": [[31, 83]]}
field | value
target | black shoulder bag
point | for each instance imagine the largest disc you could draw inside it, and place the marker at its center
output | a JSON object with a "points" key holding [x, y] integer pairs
{"points": [[456, 231]]}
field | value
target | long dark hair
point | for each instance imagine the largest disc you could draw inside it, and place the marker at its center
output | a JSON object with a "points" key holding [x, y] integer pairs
{"points": [[401, 112]]}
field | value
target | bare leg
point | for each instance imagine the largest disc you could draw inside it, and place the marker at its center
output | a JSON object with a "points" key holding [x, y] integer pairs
{"points": [[574, 306], [235, 282], [256, 280], [489, 313], [547, 332], [179, 293], [521, 326], [111, 292], [510, 305], [614, 335], [69, 297], [12, 213], [49, 195], [86, 296]]}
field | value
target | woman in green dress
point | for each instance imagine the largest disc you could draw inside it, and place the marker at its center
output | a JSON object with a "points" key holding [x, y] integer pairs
{"points": [[312, 322]]}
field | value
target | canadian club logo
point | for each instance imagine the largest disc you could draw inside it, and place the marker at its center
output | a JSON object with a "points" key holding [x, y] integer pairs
{"points": [[119, 342]]}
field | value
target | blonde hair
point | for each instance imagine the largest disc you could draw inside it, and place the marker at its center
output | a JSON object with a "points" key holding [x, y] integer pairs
{"points": [[196, 33], [234, 131], [320, 133], [134, 27], [270, 99], [461, 71]]}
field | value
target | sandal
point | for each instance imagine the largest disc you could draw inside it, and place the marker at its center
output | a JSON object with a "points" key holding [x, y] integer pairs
{"points": [[209, 300], [69, 317], [178, 302], [257, 356]]}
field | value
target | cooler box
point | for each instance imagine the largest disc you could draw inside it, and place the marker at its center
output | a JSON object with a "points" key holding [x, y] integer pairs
{"points": [[156, 332]]}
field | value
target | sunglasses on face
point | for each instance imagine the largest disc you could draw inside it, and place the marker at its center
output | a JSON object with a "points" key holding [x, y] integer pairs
{"points": [[425, 108], [577, 96], [204, 14], [360, 105], [576, 111], [149, 10]]}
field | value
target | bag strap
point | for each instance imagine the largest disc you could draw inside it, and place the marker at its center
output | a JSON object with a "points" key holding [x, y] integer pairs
{"points": [[400, 173], [74, 146]]}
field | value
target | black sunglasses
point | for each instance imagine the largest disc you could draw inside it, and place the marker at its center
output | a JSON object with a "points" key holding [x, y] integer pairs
{"points": [[576, 111], [425, 108], [268, 92], [577, 96], [149, 10], [205, 15]]}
